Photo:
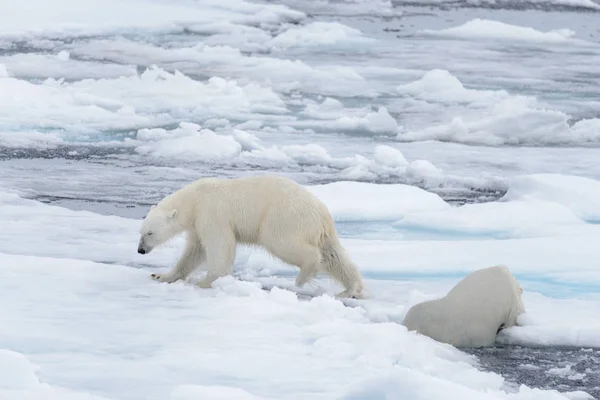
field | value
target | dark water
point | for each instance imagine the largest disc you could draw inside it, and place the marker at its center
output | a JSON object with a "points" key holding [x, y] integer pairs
{"points": [[141, 186], [564, 369], [520, 5]]}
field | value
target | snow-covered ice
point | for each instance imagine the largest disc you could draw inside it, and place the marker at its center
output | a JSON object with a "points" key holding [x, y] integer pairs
{"points": [[443, 136], [133, 330]]}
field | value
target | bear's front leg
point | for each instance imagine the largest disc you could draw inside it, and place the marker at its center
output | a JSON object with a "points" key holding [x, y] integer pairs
{"points": [[168, 278], [220, 255], [193, 256]]}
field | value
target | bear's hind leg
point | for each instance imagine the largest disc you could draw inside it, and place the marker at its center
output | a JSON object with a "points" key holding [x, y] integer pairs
{"points": [[306, 274], [304, 256], [192, 257], [342, 269], [220, 255]]}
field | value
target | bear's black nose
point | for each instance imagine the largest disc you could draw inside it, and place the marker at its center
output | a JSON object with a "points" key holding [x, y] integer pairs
{"points": [[141, 251]]}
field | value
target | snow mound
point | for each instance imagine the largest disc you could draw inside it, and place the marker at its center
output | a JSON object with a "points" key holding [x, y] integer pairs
{"points": [[16, 372], [331, 114], [379, 121], [581, 195], [540, 325], [359, 201], [440, 85], [18, 381], [318, 34], [422, 169], [188, 142], [489, 29], [389, 156]]}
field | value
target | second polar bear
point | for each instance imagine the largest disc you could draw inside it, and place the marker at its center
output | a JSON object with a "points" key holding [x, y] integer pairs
{"points": [[473, 312], [271, 211]]}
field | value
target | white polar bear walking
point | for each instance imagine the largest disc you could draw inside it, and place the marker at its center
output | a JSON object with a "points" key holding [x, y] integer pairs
{"points": [[270, 211], [473, 312]]}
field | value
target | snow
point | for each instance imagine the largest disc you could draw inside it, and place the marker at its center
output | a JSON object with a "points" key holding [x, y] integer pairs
{"points": [[30, 140], [331, 114], [389, 156], [493, 117], [354, 201], [17, 372], [580, 195], [228, 144], [508, 219], [318, 34], [283, 75], [489, 29], [19, 381], [422, 169], [189, 142], [70, 17], [441, 85], [59, 66], [541, 327], [558, 261], [136, 332], [104, 314], [129, 102]]}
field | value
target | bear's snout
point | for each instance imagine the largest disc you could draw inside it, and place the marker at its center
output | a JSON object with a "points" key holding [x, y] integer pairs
{"points": [[142, 247]]}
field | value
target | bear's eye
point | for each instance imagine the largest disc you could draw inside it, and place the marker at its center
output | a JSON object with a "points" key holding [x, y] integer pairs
{"points": [[150, 233]]}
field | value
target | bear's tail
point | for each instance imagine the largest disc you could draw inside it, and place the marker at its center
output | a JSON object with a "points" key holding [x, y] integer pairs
{"points": [[340, 267]]}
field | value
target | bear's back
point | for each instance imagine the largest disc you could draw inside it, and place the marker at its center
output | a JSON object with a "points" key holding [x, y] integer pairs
{"points": [[249, 204]]}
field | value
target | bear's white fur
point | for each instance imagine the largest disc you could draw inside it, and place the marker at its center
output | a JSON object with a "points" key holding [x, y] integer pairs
{"points": [[473, 312], [273, 212]]}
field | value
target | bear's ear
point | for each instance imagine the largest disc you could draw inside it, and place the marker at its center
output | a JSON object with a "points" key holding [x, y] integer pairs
{"points": [[173, 213], [152, 206]]}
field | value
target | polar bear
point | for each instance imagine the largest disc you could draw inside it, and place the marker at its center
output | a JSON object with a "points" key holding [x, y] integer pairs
{"points": [[270, 211], [473, 312]]}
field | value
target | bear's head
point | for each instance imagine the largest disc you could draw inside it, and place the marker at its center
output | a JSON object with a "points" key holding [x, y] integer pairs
{"points": [[158, 227]]}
